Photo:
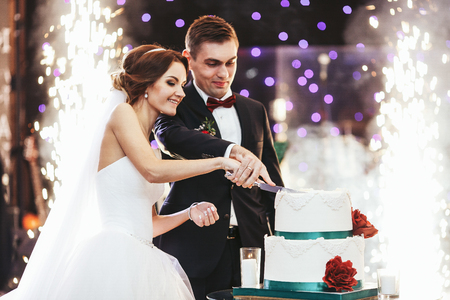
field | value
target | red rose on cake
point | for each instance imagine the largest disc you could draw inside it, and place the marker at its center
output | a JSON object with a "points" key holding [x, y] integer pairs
{"points": [[361, 225], [340, 275]]}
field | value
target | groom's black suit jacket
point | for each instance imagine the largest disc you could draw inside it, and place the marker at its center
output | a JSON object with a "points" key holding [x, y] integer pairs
{"points": [[199, 249]]}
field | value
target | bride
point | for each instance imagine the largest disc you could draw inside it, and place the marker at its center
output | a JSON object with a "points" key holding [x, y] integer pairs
{"points": [[120, 183]]}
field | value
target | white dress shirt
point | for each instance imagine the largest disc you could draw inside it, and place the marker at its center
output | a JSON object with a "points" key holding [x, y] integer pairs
{"points": [[230, 129]]}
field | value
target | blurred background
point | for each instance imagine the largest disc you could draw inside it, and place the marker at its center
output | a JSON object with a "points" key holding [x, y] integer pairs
{"points": [[358, 94]]}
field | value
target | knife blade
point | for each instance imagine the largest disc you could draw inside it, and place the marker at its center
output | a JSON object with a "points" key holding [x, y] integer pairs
{"points": [[267, 187], [274, 189]]}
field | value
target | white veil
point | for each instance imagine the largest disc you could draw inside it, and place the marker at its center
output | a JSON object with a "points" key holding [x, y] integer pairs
{"points": [[74, 215]]}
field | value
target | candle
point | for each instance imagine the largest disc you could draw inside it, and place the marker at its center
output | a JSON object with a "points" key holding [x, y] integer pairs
{"points": [[248, 272], [387, 283]]}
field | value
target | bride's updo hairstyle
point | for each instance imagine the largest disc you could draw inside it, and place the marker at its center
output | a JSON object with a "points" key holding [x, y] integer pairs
{"points": [[142, 67]]}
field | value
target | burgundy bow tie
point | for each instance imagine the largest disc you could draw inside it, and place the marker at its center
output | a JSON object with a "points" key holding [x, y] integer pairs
{"points": [[212, 103]]}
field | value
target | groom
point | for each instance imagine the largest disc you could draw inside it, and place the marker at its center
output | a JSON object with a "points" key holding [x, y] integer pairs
{"points": [[213, 121]]}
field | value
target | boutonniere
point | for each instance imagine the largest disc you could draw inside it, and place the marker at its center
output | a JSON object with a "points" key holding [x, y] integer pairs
{"points": [[207, 127]]}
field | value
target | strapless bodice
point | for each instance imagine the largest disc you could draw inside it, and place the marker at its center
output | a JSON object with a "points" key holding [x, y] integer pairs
{"points": [[125, 199]]}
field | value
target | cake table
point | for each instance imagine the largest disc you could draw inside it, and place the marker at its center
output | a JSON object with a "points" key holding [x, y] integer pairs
{"points": [[369, 292]]}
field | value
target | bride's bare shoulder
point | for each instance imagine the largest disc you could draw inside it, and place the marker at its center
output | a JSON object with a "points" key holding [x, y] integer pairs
{"points": [[122, 111]]}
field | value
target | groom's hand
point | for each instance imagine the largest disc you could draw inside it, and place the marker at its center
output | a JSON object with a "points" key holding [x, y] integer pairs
{"points": [[251, 168]]}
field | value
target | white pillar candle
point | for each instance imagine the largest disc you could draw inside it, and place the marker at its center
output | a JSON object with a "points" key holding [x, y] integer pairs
{"points": [[387, 283], [248, 272]]}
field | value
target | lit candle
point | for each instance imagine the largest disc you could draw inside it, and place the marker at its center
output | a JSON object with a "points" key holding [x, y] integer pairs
{"points": [[387, 283], [248, 272]]}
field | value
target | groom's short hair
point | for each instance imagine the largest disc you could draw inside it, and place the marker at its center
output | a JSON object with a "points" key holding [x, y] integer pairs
{"points": [[211, 29]]}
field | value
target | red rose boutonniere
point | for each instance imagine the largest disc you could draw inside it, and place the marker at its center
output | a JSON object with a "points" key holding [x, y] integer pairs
{"points": [[207, 128], [361, 225], [340, 275]]}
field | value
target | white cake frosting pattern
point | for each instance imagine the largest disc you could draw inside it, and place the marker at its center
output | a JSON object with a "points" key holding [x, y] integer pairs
{"points": [[310, 229]]}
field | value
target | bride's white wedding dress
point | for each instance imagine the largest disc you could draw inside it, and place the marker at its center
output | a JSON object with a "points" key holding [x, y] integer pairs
{"points": [[121, 262]]}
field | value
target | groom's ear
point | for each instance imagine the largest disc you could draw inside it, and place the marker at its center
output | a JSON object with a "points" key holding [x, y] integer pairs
{"points": [[187, 54]]}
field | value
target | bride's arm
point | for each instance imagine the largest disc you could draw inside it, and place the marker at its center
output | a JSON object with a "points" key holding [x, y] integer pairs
{"points": [[128, 132], [202, 214]]}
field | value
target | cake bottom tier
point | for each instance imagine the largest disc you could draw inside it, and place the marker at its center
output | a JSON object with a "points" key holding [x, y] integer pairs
{"points": [[300, 264]]}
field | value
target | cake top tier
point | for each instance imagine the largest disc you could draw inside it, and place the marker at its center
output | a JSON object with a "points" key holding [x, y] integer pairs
{"points": [[313, 211]]}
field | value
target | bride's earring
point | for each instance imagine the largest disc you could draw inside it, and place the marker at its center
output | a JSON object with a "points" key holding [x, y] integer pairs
{"points": [[146, 95]]}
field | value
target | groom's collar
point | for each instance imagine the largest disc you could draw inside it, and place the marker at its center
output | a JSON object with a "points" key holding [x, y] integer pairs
{"points": [[205, 96]]}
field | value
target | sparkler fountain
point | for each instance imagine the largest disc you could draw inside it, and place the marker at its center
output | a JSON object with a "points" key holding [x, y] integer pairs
{"points": [[414, 166], [77, 64]]}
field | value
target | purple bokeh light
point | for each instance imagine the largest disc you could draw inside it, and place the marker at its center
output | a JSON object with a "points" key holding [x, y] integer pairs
{"points": [[121, 2], [347, 10], [447, 42], [356, 75], [376, 137], [313, 88], [360, 47], [309, 73], [244, 93], [154, 144], [277, 128], [41, 108], [283, 36], [303, 167], [289, 105], [303, 44], [302, 81], [256, 16], [269, 81], [390, 57], [400, 35], [301, 132], [296, 63], [304, 2], [45, 45], [334, 131], [333, 54], [358, 116], [256, 52], [56, 72], [179, 23], [146, 17], [285, 3], [322, 26], [328, 99], [316, 117]]}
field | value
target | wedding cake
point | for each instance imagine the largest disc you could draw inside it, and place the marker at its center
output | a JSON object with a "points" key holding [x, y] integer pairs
{"points": [[318, 243]]}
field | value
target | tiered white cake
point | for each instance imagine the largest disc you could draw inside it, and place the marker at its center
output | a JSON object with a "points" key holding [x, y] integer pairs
{"points": [[310, 229]]}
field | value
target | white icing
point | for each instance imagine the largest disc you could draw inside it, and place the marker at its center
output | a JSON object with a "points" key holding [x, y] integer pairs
{"points": [[313, 211], [305, 260]]}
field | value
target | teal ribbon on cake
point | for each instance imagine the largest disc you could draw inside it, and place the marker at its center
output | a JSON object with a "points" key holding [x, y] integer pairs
{"points": [[304, 286], [314, 235]]}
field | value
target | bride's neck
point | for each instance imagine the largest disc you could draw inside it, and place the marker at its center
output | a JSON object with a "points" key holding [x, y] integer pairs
{"points": [[146, 117]]}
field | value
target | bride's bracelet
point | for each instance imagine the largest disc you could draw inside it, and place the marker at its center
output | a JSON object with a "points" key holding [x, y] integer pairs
{"points": [[189, 210]]}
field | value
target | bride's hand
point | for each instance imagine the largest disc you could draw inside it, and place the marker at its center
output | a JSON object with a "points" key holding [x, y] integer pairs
{"points": [[204, 214], [231, 166]]}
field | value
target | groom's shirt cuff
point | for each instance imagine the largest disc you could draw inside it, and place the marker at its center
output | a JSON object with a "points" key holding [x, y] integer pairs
{"points": [[228, 151]]}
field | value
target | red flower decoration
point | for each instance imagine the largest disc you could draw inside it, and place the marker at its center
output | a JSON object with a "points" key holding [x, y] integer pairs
{"points": [[207, 127], [361, 225], [340, 275]]}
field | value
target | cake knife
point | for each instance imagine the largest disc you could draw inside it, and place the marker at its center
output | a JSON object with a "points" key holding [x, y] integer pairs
{"points": [[267, 187]]}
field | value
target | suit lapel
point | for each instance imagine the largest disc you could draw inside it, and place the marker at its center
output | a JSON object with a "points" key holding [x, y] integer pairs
{"points": [[196, 103], [243, 113]]}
